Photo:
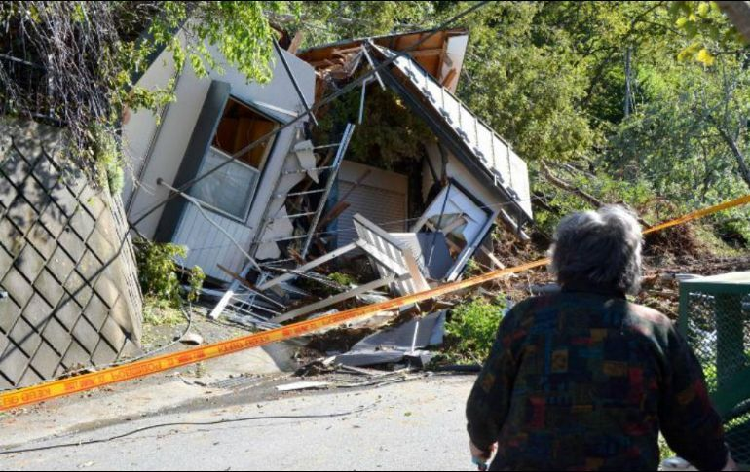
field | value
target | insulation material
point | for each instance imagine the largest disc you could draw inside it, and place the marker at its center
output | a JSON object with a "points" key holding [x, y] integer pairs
{"points": [[306, 158]]}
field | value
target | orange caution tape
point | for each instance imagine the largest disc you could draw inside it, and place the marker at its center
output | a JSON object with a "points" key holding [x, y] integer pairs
{"points": [[699, 214], [145, 367]]}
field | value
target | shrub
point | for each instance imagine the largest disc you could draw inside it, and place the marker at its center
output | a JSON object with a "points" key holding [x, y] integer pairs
{"points": [[196, 279], [157, 312], [472, 328], [159, 274]]}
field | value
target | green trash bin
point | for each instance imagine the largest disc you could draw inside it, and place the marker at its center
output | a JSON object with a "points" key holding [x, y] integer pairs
{"points": [[715, 319]]}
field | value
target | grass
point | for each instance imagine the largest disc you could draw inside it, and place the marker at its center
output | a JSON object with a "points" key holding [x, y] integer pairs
{"points": [[714, 244], [157, 312], [471, 329]]}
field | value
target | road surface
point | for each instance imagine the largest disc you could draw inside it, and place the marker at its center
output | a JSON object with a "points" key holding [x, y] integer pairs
{"points": [[415, 425]]}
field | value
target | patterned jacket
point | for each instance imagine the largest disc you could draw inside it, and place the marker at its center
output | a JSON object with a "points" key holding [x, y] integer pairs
{"points": [[585, 381]]}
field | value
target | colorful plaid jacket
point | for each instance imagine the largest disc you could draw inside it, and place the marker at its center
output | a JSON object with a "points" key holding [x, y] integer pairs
{"points": [[584, 381]]}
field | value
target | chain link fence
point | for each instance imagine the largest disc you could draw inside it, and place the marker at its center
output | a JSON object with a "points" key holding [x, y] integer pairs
{"points": [[715, 318]]}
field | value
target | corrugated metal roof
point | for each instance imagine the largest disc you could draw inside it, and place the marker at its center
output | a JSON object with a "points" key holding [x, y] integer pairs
{"points": [[489, 150]]}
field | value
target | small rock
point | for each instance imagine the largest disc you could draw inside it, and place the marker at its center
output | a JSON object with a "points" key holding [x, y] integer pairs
{"points": [[192, 339]]}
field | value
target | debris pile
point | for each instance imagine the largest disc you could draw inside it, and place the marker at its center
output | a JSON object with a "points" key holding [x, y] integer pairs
{"points": [[288, 199]]}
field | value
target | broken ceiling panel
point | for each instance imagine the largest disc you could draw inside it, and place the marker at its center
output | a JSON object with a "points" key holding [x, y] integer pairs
{"points": [[452, 201]]}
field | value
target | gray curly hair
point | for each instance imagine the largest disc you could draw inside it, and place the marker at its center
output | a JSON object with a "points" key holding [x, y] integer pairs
{"points": [[600, 247]]}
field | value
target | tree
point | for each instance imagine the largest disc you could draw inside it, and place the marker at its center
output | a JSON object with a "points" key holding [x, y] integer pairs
{"points": [[74, 63]]}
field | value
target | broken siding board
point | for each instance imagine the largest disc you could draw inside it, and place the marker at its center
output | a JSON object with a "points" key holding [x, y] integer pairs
{"points": [[307, 267], [373, 235], [334, 299], [471, 247]]}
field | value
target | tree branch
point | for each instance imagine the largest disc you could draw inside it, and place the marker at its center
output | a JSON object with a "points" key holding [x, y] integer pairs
{"points": [[736, 152], [563, 185]]}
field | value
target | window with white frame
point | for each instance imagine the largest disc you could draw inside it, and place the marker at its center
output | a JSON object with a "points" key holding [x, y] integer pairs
{"points": [[230, 189]]}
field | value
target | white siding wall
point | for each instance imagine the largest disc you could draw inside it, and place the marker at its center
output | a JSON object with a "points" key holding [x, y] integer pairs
{"points": [[177, 127], [458, 172], [381, 198], [207, 246]]}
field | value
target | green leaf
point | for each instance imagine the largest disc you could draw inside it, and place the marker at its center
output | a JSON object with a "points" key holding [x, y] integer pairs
{"points": [[705, 57]]}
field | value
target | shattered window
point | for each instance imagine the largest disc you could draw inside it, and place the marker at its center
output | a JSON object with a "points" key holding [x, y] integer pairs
{"points": [[240, 126]]}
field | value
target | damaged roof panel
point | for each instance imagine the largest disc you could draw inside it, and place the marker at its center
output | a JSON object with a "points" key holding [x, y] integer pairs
{"points": [[441, 55], [508, 172]]}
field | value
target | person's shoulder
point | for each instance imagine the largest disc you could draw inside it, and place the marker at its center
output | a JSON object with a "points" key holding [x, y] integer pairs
{"points": [[535, 303], [648, 321]]}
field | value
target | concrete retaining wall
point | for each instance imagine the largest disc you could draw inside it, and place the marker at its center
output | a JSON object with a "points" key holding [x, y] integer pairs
{"points": [[71, 297]]}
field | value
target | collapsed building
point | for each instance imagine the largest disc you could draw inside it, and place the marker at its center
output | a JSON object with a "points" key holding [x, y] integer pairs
{"points": [[268, 194]]}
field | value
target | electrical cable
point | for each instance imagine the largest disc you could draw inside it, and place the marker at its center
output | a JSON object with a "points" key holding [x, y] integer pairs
{"points": [[188, 423]]}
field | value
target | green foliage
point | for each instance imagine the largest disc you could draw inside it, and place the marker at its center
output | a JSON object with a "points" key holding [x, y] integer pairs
{"points": [[327, 22], [160, 312], [196, 278], [603, 186], [389, 134], [93, 52], [472, 327], [342, 278], [157, 270], [664, 451], [106, 153], [526, 82], [705, 28]]}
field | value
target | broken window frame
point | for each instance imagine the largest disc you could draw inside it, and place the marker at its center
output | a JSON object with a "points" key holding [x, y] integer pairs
{"points": [[257, 171]]}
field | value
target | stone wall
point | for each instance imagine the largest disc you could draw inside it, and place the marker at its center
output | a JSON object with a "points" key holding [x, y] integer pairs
{"points": [[69, 295]]}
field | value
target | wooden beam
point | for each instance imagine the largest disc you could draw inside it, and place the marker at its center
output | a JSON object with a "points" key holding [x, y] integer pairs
{"points": [[426, 52], [492, 257], [310, 265], [449, 78], [296, 42], [326, 302]]}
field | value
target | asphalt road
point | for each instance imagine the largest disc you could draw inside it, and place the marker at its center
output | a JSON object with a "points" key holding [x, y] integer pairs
{"points": [[416, 425]]}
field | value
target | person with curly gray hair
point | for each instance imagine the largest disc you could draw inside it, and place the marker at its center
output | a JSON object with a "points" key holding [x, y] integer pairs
{"points": [[585, 380]]}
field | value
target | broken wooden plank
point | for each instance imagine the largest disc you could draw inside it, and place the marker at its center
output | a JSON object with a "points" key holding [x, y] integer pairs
{"points": [[307, 267], [295, 43], [448, 78], [303, 385], [334, 299], [495, 261], [248, 285]]}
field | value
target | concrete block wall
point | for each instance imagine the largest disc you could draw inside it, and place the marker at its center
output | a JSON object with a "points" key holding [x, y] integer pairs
{"points": [[69, 294]]}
